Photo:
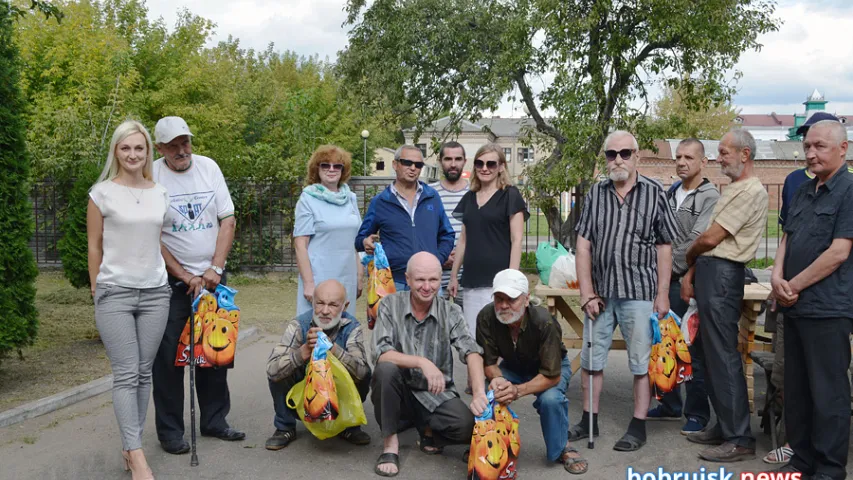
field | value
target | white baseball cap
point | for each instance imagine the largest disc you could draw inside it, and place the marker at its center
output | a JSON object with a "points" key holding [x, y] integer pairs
{"points": [[170, 127], [510, 282]]}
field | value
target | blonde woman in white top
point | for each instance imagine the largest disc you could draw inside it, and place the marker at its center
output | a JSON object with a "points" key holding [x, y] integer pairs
{"points": [[128, 277]]}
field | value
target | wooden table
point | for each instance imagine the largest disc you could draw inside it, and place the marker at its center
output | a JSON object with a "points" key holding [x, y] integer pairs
{"points": [[753, 296]]}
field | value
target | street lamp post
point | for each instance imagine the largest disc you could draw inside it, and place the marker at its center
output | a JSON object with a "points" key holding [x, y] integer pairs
{"points": [[796, 155], [364, 135]]}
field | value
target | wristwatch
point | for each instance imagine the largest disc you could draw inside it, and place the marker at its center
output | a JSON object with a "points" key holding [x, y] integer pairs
{"points": [[216, 269]]}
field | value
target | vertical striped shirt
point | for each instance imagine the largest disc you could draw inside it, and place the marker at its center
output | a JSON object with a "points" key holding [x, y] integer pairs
{"points": [[450, 198], [444, 327], [624, 236]]}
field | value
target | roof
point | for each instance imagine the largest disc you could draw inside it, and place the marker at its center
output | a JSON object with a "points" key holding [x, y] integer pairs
{"points": [[765, 120], [500, 127]]}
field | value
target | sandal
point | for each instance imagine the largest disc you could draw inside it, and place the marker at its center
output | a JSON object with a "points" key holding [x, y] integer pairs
{"points": [[780, 455], [569, 463], [628, 443], [427, 445], [387, 458], [578, 432]]}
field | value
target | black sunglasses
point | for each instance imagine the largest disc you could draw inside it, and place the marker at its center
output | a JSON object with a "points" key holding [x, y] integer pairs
{"points": [[625, 153], [332, 166], [408, 163], [491, 164]]}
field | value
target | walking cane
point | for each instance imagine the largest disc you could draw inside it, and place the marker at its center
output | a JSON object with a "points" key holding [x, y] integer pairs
{"points": [[588, 326], [193, 456]]}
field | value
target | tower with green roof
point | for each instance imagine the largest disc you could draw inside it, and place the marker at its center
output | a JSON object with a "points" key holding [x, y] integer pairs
{"points": [[814, 103]]}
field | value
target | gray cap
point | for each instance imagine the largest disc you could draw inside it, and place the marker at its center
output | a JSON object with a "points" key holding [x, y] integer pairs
{"points": [[170, 127]]}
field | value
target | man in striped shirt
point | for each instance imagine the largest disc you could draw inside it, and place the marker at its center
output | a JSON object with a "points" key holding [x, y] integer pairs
{"points": [[451, 189], [624, 262]]}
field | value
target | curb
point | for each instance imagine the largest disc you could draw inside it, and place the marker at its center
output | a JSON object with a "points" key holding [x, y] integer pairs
{"points": [[76, 394]]}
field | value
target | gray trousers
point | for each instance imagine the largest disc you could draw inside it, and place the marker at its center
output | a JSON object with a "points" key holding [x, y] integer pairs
{"points": [[719, 294], [131, 323]]}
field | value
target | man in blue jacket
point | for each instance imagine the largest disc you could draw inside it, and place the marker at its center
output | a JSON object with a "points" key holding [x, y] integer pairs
{"points": [[409, 216]]}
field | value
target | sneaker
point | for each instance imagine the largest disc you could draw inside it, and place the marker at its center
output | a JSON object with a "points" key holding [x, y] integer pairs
{"points": [[662, 413], [693, 425], [280, 439], [355, 436]]}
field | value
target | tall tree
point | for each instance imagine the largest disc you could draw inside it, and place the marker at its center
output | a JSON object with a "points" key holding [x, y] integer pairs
{"points": [[18, 316], [673, 117], [428, 57]]}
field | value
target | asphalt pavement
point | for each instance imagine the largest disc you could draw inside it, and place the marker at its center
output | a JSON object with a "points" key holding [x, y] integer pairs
{"points": [[82, 441]]}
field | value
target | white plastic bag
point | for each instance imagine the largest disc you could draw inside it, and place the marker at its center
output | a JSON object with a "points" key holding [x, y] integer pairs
{"points": [[563, 273], [690, 323]]}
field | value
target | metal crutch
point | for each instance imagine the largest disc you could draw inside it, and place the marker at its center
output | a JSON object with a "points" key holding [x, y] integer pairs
{"points": [[193, 456], [591, 443]]}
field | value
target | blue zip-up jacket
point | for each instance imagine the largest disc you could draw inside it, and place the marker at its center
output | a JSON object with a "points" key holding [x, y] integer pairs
{"points": [[400, 236]]}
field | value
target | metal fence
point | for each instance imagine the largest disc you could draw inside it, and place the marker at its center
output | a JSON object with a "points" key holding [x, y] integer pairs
{"points": [[265, 214]]}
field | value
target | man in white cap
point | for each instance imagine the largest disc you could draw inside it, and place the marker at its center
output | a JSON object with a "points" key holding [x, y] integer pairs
{"points": [[530, 342], [197, 235]]}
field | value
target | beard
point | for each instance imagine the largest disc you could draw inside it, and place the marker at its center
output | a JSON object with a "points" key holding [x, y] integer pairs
{"points": [[733, 171], [508, 317], [334, 322], [452, 176], [619, 175]]}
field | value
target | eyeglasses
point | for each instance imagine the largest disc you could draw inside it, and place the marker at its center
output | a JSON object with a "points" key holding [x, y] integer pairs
{"points": [[491, 164], [332, 166], [408, 163], [625, 153]]}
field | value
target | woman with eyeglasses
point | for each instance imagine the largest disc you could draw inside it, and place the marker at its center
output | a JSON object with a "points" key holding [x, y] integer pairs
{"points": [[493, 213], [327, 221]]}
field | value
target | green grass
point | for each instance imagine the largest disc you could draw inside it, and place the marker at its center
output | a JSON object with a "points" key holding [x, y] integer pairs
{"points": [[773, 229], [68, 350], [761, 263]]}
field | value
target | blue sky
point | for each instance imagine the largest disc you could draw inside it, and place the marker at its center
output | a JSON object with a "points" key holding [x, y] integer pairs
{"points": [[812, 49]]}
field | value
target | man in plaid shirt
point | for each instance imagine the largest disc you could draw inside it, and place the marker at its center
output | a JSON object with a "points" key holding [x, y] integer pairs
{"points": [[286, 365]]}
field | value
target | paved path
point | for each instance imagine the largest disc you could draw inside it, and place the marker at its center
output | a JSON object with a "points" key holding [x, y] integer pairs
{"points": [[82, 442]]}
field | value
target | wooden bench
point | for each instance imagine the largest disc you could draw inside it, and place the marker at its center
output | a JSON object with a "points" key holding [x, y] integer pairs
{"points": [[754, 295]]}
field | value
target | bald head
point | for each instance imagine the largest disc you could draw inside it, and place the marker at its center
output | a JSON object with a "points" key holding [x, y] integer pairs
{"points": [[330, 301], [423, 261], [423, 275], [331, 290]]}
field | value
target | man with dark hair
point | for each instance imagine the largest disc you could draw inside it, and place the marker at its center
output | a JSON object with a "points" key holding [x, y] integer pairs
{"points": [[731, 241], [692, 200], [811, 280], [451, 189]]}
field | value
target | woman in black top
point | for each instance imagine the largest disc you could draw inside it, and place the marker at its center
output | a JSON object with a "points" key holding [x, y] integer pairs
{"points": [[493, 213]]}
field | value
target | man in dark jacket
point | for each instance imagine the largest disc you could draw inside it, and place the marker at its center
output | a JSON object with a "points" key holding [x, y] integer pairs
{"points": [[409, 217], [692, 199]]}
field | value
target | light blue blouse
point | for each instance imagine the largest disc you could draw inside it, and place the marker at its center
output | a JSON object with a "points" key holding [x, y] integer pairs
{"points": [[332, 229]]}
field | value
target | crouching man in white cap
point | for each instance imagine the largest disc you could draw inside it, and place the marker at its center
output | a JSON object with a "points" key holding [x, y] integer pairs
{"points": [[197, 235], [530, 342]]}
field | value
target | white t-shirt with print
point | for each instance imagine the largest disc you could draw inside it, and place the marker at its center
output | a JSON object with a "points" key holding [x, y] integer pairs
{"points": [[133, 219], [198, 200]]}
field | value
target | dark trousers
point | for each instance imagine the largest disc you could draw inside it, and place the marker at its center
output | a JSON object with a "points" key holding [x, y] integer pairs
{"points": [[719, 295], [211, 383], [393, 403], [696, 401], [817, 393], [285, 417]]}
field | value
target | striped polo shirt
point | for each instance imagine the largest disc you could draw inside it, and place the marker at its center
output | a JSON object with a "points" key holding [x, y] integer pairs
{"points": [[450, 199], [624, 236]]}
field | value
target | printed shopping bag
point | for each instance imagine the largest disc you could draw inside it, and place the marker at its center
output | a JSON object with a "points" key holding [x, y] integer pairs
{"points": [[327, 399], [380, 281], [495, 443], [669, 362], [564, 273], [216, 323]]}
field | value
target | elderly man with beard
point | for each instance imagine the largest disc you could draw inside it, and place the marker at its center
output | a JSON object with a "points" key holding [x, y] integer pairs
{"points": [[717, 259], [413, 378], [624, 262], [530, 342], [286, 365]]}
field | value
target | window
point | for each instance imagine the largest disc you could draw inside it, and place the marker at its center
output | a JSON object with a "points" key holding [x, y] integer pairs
{"points": [[508, 154], [380, 166], [422, 148], [525, 155]]}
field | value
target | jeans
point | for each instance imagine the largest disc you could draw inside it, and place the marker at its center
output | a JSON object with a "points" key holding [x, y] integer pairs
{"points": [[696, 402], [552, 406]]}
